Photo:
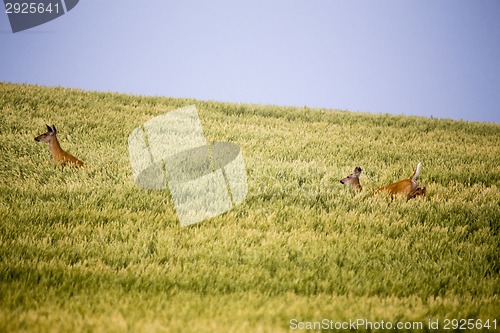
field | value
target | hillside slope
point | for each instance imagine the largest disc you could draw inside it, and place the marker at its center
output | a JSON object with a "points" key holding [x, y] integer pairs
{"points": [[87, 250]]}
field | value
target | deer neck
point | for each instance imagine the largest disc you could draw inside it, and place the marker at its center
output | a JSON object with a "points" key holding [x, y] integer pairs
{"points": [[55, 148]]}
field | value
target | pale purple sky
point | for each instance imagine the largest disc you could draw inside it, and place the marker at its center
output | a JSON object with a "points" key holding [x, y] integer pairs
{"points": [[425, 57]]}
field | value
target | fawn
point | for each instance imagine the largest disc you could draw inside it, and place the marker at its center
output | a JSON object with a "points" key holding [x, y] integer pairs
{"points": [[407, 187], [58, 154]]}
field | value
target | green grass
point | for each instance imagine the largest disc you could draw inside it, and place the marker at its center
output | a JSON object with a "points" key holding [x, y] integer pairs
{"points": [[87, 250]]}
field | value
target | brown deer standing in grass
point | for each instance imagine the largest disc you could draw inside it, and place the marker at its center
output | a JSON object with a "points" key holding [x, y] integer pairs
{"points": [[59, 156], [407, 187]]}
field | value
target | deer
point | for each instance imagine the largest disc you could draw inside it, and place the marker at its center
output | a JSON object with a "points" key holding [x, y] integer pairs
{"points": [[59, 156], [353, 180], [406, 187]]}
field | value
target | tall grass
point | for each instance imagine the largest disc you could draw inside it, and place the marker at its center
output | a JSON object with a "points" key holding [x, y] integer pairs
{"points": [[87, 250]]}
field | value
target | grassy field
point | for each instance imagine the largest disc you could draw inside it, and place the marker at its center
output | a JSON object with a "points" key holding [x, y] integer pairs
{"points": [[89, 251]]}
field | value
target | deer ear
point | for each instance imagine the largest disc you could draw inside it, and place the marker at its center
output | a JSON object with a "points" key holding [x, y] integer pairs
{"points": [[54, 128], [48, 128]]}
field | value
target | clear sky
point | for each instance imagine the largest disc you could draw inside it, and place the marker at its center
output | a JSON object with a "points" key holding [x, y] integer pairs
{"points": [[423, 57]]}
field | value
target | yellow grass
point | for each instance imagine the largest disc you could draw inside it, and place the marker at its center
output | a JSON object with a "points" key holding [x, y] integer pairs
{"points": [[88, 250]]}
